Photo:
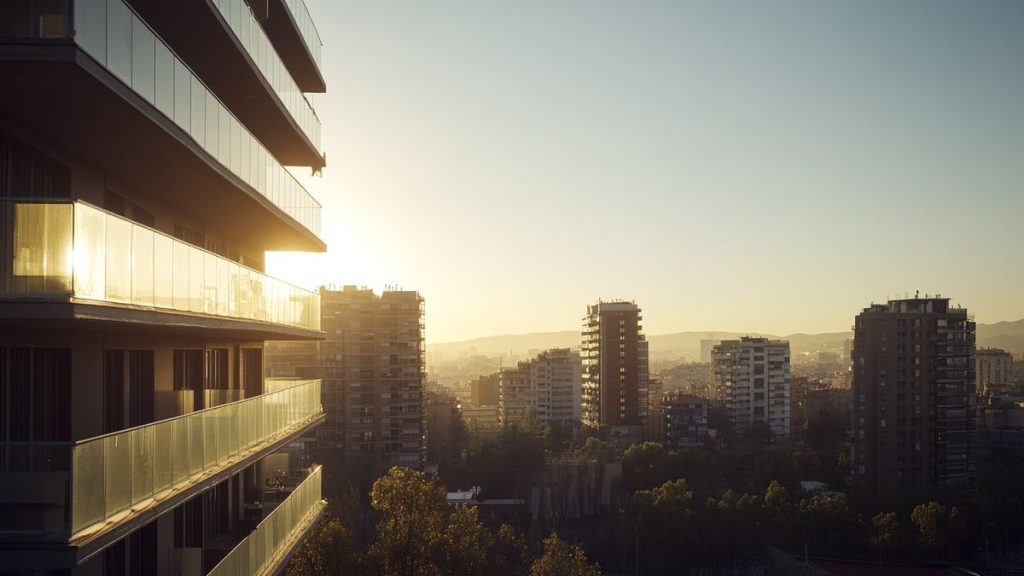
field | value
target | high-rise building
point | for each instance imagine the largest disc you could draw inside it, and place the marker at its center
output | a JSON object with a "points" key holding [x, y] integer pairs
{"points": [[373, 372], [613, 369], [545, 389], [994, 371], [143, 147], [913, 397], [752, 382]]}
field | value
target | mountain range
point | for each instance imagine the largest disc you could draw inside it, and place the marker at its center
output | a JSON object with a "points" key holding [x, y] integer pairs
{"points": [[1005, 335]]}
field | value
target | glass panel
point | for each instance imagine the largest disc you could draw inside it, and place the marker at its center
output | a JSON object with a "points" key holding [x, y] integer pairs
{"points": [[163, 271], [90, 254], [142, 443], [87, 497], [180, 448], [42, 249], [118, 477], [164, 72], [119, 40], [119, 259], [164, 436], [180, 271], [196, 270], [142, 266], [182, 95], [198, 127], [143, 56], [91, 28]]}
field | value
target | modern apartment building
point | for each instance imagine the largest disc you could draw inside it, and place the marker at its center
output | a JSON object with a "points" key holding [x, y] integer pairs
{"points": [[994, 371], [373, 372], [913, 397], [143, 147], [752, 382], [613, 370], [545, 389]]}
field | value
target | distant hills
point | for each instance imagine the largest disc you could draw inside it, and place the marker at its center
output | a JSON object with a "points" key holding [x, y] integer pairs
{"points": [[1006, 335]]}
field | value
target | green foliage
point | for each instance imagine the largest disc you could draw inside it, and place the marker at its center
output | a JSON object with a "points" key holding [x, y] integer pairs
{"points": [[413, 514], [329, 549], [941, 531], [595, 448], [562, 559]]}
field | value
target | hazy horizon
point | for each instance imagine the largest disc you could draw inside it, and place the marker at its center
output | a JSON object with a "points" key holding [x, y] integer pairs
{"points": [[749, 166]]}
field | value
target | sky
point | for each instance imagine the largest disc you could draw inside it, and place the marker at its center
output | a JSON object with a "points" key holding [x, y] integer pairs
{"points": [[743, 166]]}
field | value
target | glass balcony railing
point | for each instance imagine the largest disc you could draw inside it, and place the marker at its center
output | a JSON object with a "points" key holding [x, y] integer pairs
{"points": [[300, 14], [73, 249], [113, 473], [123, 43], [247, 29], [264, 548]]}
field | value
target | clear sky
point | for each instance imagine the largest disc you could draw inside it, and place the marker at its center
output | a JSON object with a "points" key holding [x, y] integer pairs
{"points": [[749, 166]]}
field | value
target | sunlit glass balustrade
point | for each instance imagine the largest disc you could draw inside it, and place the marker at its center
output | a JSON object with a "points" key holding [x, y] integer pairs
{"points": [[265, 548], [75, 250]]}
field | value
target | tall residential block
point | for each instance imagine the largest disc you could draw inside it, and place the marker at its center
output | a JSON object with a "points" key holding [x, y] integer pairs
{"points": [[994, 371], [545, 389], [752, 382], [373, 372], [143, 147], [913, 397], [614, 367]]}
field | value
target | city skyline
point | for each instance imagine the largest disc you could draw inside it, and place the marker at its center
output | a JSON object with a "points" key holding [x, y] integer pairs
{"points": [[767, 167]]}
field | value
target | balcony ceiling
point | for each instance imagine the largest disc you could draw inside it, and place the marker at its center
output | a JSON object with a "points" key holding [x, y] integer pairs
{"points": [[195, 31], [62, 92]]}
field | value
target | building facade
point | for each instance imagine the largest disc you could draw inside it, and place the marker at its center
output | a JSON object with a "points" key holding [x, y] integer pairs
{"points": [[141, 183], [994, 371], [372, 367], [752, 381], [613, 370], [545, 389], [683, 421], [913, 397]]}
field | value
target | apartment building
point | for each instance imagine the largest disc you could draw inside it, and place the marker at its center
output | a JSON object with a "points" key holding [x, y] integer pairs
{"points": [[613, 397], [372, 366], [752, 382], [545, 389], [143, 147], [994, 371], [913, 397]]}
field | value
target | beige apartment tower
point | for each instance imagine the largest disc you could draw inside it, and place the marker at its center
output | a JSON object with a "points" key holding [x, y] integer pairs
{"points": [[752, 382], [372, 367]]}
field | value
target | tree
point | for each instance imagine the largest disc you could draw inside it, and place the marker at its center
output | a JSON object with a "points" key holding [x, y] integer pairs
{"points": [[885, 532], [563, 559], [329, 550], [413, 513]]}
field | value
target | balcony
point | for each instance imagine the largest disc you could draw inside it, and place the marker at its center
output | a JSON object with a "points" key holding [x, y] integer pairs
{"points": [[291, 29], [268, 547], [222, 41], [103, 487], [95, 265], [107, 87]]}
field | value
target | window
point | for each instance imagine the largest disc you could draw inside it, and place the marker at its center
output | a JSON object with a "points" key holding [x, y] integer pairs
{"points": [[35, 395], [26, 172]]}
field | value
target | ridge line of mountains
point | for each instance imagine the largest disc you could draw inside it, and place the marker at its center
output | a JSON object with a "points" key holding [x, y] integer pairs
{"points": [[1008, 335]]}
